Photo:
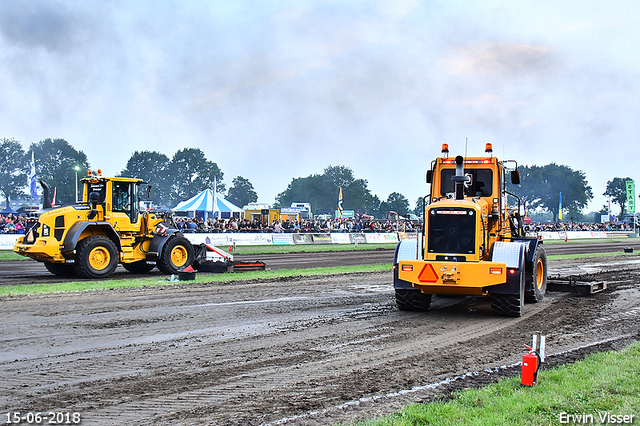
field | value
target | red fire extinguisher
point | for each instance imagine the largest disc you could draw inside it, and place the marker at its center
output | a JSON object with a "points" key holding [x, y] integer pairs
{"points": [[530, 365]]}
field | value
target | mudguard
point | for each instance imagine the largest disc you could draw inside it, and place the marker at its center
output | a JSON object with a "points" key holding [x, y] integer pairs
{"points": [[532, 245], [73, 235], [513, 255], [405, 250], [158, 242]]}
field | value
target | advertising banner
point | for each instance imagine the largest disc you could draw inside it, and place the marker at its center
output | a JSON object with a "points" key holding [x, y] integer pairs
{"points": [[7, 241], [282, 239], [261, 239], [211, 239], [302, 239], [382, 238], [321, 238], [340, 239], [358, 238], [289, 210], [241, 239], [407, 235], [631, 196]]}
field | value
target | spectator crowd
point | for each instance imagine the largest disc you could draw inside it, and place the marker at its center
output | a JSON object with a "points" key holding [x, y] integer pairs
{"points": [[292, 226], [12, 224], [16, 223], [578, 226]]}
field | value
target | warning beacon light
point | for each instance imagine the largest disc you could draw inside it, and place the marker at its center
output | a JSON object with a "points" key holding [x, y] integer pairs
{"points": [[488, 148], [445, 149]]}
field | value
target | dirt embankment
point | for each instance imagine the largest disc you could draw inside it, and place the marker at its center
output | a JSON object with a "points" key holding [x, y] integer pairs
{"points": [[302, 351]]}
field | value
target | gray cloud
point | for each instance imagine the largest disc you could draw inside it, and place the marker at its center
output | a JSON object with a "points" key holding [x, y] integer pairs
{"points": [[283, 89]]}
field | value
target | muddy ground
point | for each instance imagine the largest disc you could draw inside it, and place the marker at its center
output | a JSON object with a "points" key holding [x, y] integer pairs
{"points": [[300, 351]]}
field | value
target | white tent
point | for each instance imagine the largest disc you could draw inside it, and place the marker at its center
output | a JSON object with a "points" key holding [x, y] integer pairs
{"points": [[203, 203]]}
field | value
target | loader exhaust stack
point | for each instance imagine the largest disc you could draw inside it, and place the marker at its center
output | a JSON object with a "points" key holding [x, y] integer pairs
{"points": [[460, 179]]}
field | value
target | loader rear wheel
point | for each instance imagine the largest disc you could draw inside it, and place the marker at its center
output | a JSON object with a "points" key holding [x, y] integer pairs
{"points": [[60, 269], [139, 267], [96, 257], [412, 300], [177, 253], [537, 277]]}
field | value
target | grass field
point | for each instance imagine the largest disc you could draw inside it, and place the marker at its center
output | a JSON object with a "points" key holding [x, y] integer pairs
{"points": [[601, 389]]}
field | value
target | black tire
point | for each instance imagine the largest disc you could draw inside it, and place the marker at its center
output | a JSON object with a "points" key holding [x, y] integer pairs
{"points": [[60, 269], [537, 277], [412, 300], [139, 267], [177, 254], [509, 305], [96, 257]]}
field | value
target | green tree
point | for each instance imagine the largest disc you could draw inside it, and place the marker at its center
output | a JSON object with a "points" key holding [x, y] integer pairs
{"points": [[56, 161], [396, 202], [541, 187], [617, 190], [417, 210], [374, 208], [190, 173], [13, 167], [322, 191], [152, 167], [241, 192]]}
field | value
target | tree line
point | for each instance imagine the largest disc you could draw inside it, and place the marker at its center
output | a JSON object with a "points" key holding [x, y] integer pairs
{"points": [[189, 171]]}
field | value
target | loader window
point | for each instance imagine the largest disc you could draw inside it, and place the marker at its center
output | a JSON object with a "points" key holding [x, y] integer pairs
{"points": [[97, 186], [481, 182], [122, 198]]}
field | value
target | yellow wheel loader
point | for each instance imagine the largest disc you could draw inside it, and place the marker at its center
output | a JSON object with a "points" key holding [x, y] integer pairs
{"points": [[106, 228], [473, 241]]}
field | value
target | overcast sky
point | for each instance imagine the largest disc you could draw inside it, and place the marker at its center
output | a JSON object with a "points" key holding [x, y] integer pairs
{"points": [[272, 90]]}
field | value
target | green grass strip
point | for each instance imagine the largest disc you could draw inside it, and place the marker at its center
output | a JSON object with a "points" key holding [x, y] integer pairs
{"points": [[588, 255], [201, 278], [606, 383], [11, 255]]}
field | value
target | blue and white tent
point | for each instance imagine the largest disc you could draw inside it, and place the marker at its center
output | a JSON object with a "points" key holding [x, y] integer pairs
{"points": [[202, 205]]}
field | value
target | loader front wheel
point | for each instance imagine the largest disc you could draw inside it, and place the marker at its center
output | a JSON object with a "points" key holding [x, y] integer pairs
{"points": [[537, 277], [177, 253], [96, 257], [412, 300]]}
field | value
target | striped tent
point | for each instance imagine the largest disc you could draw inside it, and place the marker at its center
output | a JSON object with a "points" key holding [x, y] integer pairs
{"points": [[202, 205]]}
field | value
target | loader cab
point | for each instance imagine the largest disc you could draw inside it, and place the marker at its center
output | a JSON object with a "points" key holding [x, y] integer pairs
{"points": [[118, 200], [125, 199], [480, 185], [484, 180]]}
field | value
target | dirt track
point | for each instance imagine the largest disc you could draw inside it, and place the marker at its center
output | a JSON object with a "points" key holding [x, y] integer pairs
{"points": [[303, 351]]}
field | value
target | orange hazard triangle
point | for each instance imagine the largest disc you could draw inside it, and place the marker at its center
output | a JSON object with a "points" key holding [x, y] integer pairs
{"points": [[428, 274]]}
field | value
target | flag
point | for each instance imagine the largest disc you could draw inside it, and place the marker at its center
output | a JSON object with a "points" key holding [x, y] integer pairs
{"points": [[340, 202], [33, 179], [631, 196], [54, 196], [215, 197], [560, 208]]}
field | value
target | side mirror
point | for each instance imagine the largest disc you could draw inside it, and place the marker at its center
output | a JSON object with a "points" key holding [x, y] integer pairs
{"points": [[94, 199], [429, 176], [515, 177]]}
